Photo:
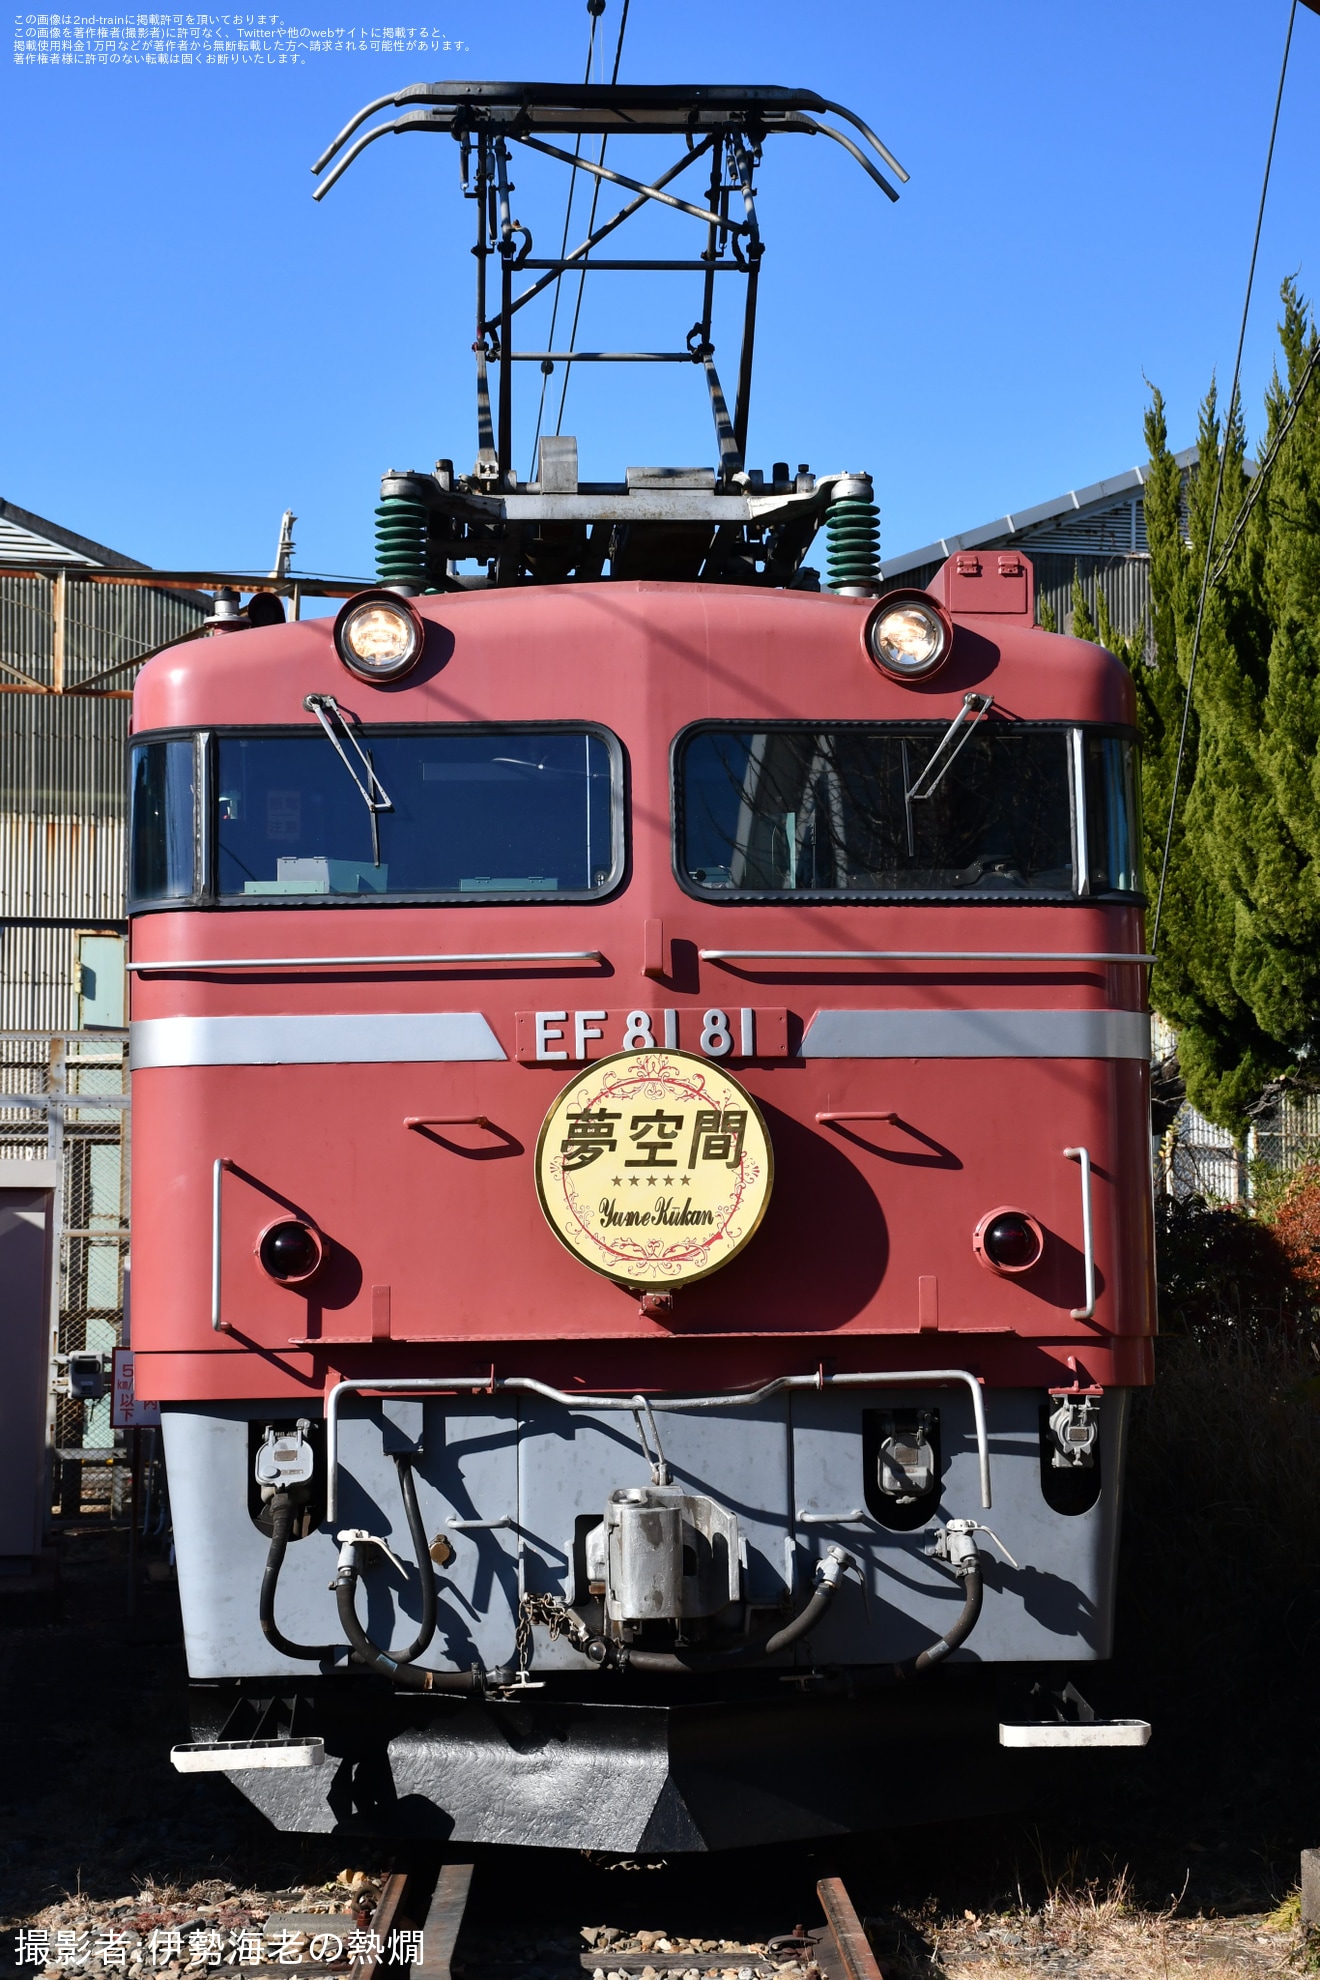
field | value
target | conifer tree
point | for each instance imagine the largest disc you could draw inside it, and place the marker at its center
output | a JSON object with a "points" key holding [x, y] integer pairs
{"points": [[1239, 971], [1101, 629], [1129, 650], [1083, 625]]}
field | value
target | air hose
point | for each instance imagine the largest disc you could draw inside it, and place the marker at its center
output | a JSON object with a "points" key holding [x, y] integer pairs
{"points": [[281, 1523], [956, 1544], [408, 1675], [970, 1574], [422, 1556], [752, 1649]]}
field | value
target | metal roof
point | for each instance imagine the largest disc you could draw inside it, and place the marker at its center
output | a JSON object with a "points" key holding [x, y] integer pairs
{"points": [[1052, 524], [27, 539]]}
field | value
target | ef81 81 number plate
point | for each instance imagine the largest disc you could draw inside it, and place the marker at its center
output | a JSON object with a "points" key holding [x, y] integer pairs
{"points": [[733, 1032]]}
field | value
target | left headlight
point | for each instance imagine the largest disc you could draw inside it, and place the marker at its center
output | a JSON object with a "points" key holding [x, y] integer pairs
{"points": [[378, 636], [908, 635]]}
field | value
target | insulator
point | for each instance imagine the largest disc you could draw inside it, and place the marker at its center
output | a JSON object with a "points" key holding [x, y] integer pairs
{"points": [[852, 529], [401, 541]]}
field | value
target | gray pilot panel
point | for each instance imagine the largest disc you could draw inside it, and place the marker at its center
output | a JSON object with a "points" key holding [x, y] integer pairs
{"points": [[513, 1497]]}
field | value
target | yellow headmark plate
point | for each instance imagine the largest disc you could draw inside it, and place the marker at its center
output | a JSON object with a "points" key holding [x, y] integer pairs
{"points": [[654, 1167]]}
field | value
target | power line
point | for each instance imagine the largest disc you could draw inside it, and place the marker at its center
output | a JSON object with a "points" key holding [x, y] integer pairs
{"points": [[1219, 489], [1257, 487], [591, 223], [595, 11]]}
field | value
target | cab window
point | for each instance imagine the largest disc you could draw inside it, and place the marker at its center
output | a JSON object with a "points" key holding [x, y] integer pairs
{"points": [[906, 809]]}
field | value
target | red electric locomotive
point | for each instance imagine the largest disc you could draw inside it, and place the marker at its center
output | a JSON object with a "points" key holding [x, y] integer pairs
{"points": [[642, 1167]]}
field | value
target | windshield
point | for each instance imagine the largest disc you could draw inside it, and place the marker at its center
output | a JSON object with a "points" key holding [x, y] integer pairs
{"points": [[465, 813], [512, 811], [852, 810]]}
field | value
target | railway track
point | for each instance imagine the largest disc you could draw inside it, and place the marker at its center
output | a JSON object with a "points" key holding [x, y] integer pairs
{"points": [[441, 1908]]}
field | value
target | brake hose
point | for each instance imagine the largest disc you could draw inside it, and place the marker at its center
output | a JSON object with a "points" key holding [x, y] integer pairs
{"points": [[752, 1649], [925, 1660], [422, 1556], [281, 1522], [410, 1676]]}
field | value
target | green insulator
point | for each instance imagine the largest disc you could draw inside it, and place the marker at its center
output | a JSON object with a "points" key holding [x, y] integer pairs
{"points": [[852, 529], [401, 541]]}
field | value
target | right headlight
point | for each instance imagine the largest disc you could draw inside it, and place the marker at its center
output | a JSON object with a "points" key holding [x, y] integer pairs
{"points": [[379, 636], [908, 635]]}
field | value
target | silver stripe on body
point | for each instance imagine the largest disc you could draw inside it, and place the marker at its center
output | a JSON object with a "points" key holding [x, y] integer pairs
{"points": [[321, 1039], [977, 1035]]}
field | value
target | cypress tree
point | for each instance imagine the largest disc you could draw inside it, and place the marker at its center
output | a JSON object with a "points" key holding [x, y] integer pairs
{"points": [[1284, 552], [1239, 971], [1083, 625], [1128, 650]]}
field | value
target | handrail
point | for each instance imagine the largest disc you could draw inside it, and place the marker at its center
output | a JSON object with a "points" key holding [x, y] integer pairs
{"points": [[924, 955], [222, 1162], [885, 1114], [446, 1120], [184, 963], [718, 1399], [1088, 1240]]}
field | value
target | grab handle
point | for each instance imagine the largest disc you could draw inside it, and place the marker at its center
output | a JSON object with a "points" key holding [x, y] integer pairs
{"points": [[1082, 1155], [222, 1162]]}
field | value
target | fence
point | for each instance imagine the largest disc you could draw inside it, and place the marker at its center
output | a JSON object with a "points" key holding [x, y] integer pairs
{"points": [[65, 1099], [1196, 1158]]}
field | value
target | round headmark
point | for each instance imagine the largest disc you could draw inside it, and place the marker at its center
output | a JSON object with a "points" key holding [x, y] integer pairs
{"points": [[654, 1167]]}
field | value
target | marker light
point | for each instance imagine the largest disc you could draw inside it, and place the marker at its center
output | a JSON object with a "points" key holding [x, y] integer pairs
{"points": [[908, 635], [378, 636], [290, 1251], [1008, 1241]]}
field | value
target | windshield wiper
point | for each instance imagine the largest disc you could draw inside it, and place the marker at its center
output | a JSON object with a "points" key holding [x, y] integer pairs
{"points": [[955, 738], [373, 793], [974, 709]]}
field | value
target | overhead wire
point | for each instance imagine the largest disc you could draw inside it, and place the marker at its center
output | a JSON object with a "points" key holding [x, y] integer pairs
{"points": [[591, 223], [1209, 567], [1261, 475], [595, 13]]}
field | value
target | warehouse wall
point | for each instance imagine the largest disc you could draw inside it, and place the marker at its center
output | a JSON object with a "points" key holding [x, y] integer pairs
{"points": [[62, 784]]}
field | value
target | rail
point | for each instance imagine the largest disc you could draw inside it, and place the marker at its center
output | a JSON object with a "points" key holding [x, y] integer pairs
{"points": [[716, 1399], [444, 1905]]}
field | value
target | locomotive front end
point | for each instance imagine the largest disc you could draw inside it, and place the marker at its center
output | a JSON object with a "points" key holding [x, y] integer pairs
{"points": [[642, 1197]]}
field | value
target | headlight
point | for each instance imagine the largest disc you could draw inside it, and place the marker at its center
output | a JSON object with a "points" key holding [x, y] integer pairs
{"points": [[378, 636], [908, 635]]}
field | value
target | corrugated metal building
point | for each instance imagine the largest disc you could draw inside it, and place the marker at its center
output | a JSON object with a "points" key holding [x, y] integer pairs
{"points": [[66, 646], [63, 726], [1099, 532]]}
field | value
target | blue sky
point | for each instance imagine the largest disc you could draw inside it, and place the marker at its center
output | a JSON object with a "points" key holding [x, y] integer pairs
{"points": [[190, 345]]}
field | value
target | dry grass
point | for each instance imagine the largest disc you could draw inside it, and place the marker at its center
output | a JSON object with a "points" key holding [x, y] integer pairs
{"points": [[1094, 1931]]}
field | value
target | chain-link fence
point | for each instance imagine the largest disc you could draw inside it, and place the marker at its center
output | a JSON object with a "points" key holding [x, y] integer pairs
{"points": [[64, 1098]]}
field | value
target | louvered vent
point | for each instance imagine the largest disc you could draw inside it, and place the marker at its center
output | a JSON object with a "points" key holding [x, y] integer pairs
{"points": [[1116, 530], [23, 546]]}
